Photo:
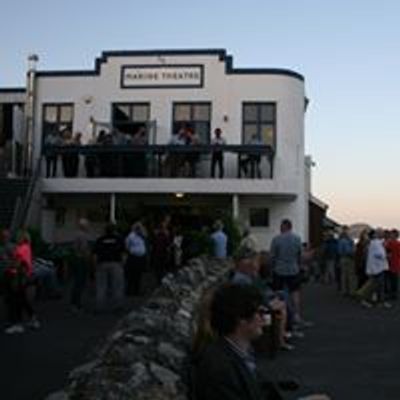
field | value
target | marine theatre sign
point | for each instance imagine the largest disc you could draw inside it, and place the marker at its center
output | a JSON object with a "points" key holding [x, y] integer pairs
{"points": [[162, 76]]}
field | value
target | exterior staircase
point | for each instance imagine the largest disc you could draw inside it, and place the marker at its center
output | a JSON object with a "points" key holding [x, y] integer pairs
{"points": [[12, 193]]}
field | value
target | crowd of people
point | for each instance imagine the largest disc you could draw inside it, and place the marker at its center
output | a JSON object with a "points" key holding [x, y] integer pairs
{"points": [[366, 269], [264, 288], [137, 164], [262, 291]]}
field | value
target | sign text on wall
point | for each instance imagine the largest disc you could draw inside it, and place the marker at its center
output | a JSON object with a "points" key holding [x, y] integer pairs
{"points": [[162, 76]]}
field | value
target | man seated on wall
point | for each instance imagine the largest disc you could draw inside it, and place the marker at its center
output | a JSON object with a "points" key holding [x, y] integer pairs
{"points": [[247, 267], [227, 369]]}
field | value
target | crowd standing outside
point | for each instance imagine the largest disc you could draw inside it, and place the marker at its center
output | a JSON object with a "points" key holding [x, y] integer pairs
{"points": [[162, 249], [135, 265], [346, 262], [79, 268], [109, 253], [285, 253], [17, 276], [219, 241], [392, 247], [376, 266]]}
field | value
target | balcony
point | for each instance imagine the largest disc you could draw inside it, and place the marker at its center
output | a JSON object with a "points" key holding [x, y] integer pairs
{"points": [[158, 161], [163, 169]]}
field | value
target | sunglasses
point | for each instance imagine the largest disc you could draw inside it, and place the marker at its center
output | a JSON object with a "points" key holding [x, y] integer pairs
{"points": [[262, 311]]}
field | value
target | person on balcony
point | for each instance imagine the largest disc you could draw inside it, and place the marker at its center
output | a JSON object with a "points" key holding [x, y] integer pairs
{"points": [[139, 163], [252, 160], [68, 159], [217, 156], [52, 139]]}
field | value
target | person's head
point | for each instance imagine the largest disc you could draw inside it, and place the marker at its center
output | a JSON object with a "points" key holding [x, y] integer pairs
{"points": [[363, 235], [110, 229], [247, 261], [380, 233], [345, 231], [138, 228], [237, 310], [5, 236], [286, 225], [83, 224], [218, 132], [218, 225], [372, 234], [394, 234], [23, 236]]}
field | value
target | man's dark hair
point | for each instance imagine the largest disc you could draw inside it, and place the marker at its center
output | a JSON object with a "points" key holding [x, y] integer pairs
{"points": [[287, 223], [230, 304], [110, 229]]}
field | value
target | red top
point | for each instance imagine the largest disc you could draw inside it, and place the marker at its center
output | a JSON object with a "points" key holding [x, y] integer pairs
{"points": [[23, 253], [393, 252]]}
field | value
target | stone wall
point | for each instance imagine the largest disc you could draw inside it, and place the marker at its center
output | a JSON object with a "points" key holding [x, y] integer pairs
{"points": [[146, 355]]}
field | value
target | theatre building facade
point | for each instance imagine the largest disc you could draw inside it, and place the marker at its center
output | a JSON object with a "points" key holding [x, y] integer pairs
{"points": [[136, 136]]}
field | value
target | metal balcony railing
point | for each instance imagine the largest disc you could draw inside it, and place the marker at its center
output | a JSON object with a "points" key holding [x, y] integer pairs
{"points": [[159, 161]]}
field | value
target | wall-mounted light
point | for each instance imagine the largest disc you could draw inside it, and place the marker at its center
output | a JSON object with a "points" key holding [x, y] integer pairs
{"points": [[87, 99], [179, 195]]}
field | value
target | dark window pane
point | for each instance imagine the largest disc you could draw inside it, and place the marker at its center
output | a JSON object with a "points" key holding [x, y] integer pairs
{"points": [[141, 113], [50, 113], [259, 217], [202, 129], [249, 130], [66, 114], [250, 112], [267, 134], [121, 113], [182, 112], [267, 112], [201, 112]]}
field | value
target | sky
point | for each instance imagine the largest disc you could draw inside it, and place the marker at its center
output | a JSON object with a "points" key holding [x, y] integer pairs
{"points": [[348, 52]]}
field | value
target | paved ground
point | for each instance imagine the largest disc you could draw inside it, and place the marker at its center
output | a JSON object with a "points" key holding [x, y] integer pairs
{"points": [[352, 353]]}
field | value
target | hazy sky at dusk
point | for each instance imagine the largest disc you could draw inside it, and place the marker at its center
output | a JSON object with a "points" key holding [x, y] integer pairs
{"points": [[348, 52]]}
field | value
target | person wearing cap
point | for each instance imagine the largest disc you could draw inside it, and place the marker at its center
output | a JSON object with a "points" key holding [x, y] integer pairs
{"points": [[247, 267]]}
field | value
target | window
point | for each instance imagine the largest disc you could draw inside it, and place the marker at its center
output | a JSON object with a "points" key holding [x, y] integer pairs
{"points": [[259, 217], [196, 116], [130, 117], [57, 118], [259, 122]]}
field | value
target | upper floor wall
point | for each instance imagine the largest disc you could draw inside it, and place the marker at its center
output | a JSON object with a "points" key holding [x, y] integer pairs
{"points": [[170, 78]]}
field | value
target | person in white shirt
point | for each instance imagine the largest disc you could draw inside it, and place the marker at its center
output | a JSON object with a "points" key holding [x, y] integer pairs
{"points": [[135, 244], [376, 266], [217, 157]]}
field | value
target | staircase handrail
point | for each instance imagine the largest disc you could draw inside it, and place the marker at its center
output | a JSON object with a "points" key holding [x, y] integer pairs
{"points": [[22, 213]]}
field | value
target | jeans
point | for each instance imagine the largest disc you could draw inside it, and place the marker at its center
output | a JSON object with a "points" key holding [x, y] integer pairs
{"points": [[109, 278]]}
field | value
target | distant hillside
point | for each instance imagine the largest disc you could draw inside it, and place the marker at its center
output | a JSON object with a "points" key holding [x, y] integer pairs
{"points": [[355, 229]]}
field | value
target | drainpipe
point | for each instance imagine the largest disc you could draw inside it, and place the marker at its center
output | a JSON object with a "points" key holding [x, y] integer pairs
{"points": [[235, 206], [30, 114], [113, 205]]}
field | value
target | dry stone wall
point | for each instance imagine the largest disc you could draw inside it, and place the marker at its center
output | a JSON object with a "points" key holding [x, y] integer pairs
{"points": [[146, 355]]}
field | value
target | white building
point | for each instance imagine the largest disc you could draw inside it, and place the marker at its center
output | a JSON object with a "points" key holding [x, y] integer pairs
{"points": [[161, 90]]}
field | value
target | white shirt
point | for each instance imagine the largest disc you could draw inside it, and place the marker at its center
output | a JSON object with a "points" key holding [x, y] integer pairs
{"points": [[376, 258]]}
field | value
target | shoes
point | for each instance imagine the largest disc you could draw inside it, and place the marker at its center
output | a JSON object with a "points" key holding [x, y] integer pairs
{"points": [[387, 305], [287, 347], [33, 323], [366, 304], [297, 334], [13, 329]]}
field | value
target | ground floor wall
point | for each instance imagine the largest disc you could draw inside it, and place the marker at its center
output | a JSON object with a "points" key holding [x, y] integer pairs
{"points": [[60, 213]]}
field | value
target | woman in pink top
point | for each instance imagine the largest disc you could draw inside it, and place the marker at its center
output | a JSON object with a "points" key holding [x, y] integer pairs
{"points": [[17, 278]]}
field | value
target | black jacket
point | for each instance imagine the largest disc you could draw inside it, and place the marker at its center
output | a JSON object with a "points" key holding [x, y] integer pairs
{"points": [[220, 374]]}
